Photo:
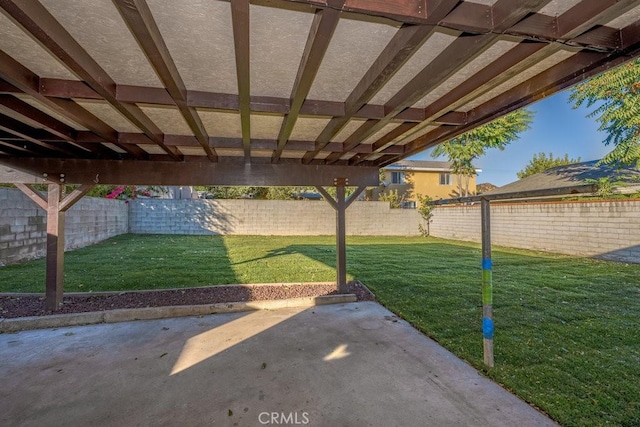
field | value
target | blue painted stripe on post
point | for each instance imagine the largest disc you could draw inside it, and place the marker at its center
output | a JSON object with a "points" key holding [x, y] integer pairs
{"points": [[487, 328], [487, 264]]}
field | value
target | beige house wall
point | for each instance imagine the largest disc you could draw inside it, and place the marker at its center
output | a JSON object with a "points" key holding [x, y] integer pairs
{"points": [[426, 183]]}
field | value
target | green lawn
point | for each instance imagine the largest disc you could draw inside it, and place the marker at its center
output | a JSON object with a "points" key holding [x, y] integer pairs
{"points": [[566, 328]]}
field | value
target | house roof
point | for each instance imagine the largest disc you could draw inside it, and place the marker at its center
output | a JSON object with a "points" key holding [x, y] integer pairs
{"points": [[571, 176], [282, 90], [420, 165], [562, 181]]}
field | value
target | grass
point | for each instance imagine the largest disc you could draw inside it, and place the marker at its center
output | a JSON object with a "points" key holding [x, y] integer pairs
{"points": [[566, 328]]}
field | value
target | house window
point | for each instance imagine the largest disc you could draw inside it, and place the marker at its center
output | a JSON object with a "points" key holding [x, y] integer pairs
{"points": [[397, 177], [445, 179]]}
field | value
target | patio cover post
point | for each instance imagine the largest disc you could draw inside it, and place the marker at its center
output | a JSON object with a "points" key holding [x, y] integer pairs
{"points": [[341, 242], [340, 204], [56, 206], [55, 248], [487, 286]]}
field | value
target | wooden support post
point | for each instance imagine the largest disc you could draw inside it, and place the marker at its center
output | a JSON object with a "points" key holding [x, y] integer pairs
{"points": [[340, 204], [56, 206], [341, 243], [487, 286], [55, 248]]}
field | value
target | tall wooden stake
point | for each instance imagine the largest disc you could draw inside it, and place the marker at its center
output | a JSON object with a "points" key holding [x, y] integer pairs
{"points": [[341, 242], [487, 285]]}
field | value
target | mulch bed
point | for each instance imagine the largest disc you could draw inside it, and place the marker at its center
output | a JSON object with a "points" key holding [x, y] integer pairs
{"points": [[33, 305]]}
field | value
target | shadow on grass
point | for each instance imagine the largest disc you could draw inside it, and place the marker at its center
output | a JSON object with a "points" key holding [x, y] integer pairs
{"points": [[131, 262]]}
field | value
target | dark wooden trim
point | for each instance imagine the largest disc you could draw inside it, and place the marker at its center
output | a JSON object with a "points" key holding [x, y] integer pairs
{"points": [[138, 17], [322, 29], [197, 172]]}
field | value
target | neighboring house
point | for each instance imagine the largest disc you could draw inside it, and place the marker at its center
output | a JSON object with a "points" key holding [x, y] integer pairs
{"points": [[429, 178], [562, 181]]}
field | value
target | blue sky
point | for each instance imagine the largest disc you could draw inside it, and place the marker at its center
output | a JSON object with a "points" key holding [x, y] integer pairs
{"points": [[557, 128]]}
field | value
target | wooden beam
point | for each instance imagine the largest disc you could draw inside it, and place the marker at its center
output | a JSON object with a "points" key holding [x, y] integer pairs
{"points": [[580, 18], [55, 249], [459, 53], [354, 196], [33, 194], [322, 29], [56, 127], [224, 172], [240, 21], [565, 74], [10, 175], [410, 11], [43, 27], [328, 197], [341, 241], [75, 196], [138, 17], [57, 88]]}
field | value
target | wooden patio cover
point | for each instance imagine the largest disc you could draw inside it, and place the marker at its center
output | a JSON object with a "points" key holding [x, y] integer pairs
{"points": [[272, 92], [278, 92]]}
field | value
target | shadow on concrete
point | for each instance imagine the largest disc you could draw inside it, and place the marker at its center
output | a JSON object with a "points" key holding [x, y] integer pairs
{"points": [[353, 364]]}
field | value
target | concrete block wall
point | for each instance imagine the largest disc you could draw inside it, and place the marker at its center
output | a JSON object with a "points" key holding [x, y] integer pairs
{"points": [[23, 225], [605, 229], [266, 217]]}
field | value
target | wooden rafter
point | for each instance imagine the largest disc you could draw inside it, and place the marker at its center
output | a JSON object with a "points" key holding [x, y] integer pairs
{"points": [[573, 70], [27, 82], [402, 46], [322, 29], [28, 133], [240, 19], [39, 23], [139, 19]]}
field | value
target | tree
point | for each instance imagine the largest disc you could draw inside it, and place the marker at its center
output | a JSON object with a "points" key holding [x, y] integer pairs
{"points": [[540, 163], [616, 96], [463, 150]]}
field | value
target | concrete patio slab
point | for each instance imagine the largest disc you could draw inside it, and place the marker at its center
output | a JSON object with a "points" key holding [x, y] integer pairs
{"points": [[339, 365]]}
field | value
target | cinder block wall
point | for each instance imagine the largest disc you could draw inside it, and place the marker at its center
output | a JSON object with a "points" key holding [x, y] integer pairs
{"points": [[605, 229], [23, 225], [266, 217]]}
